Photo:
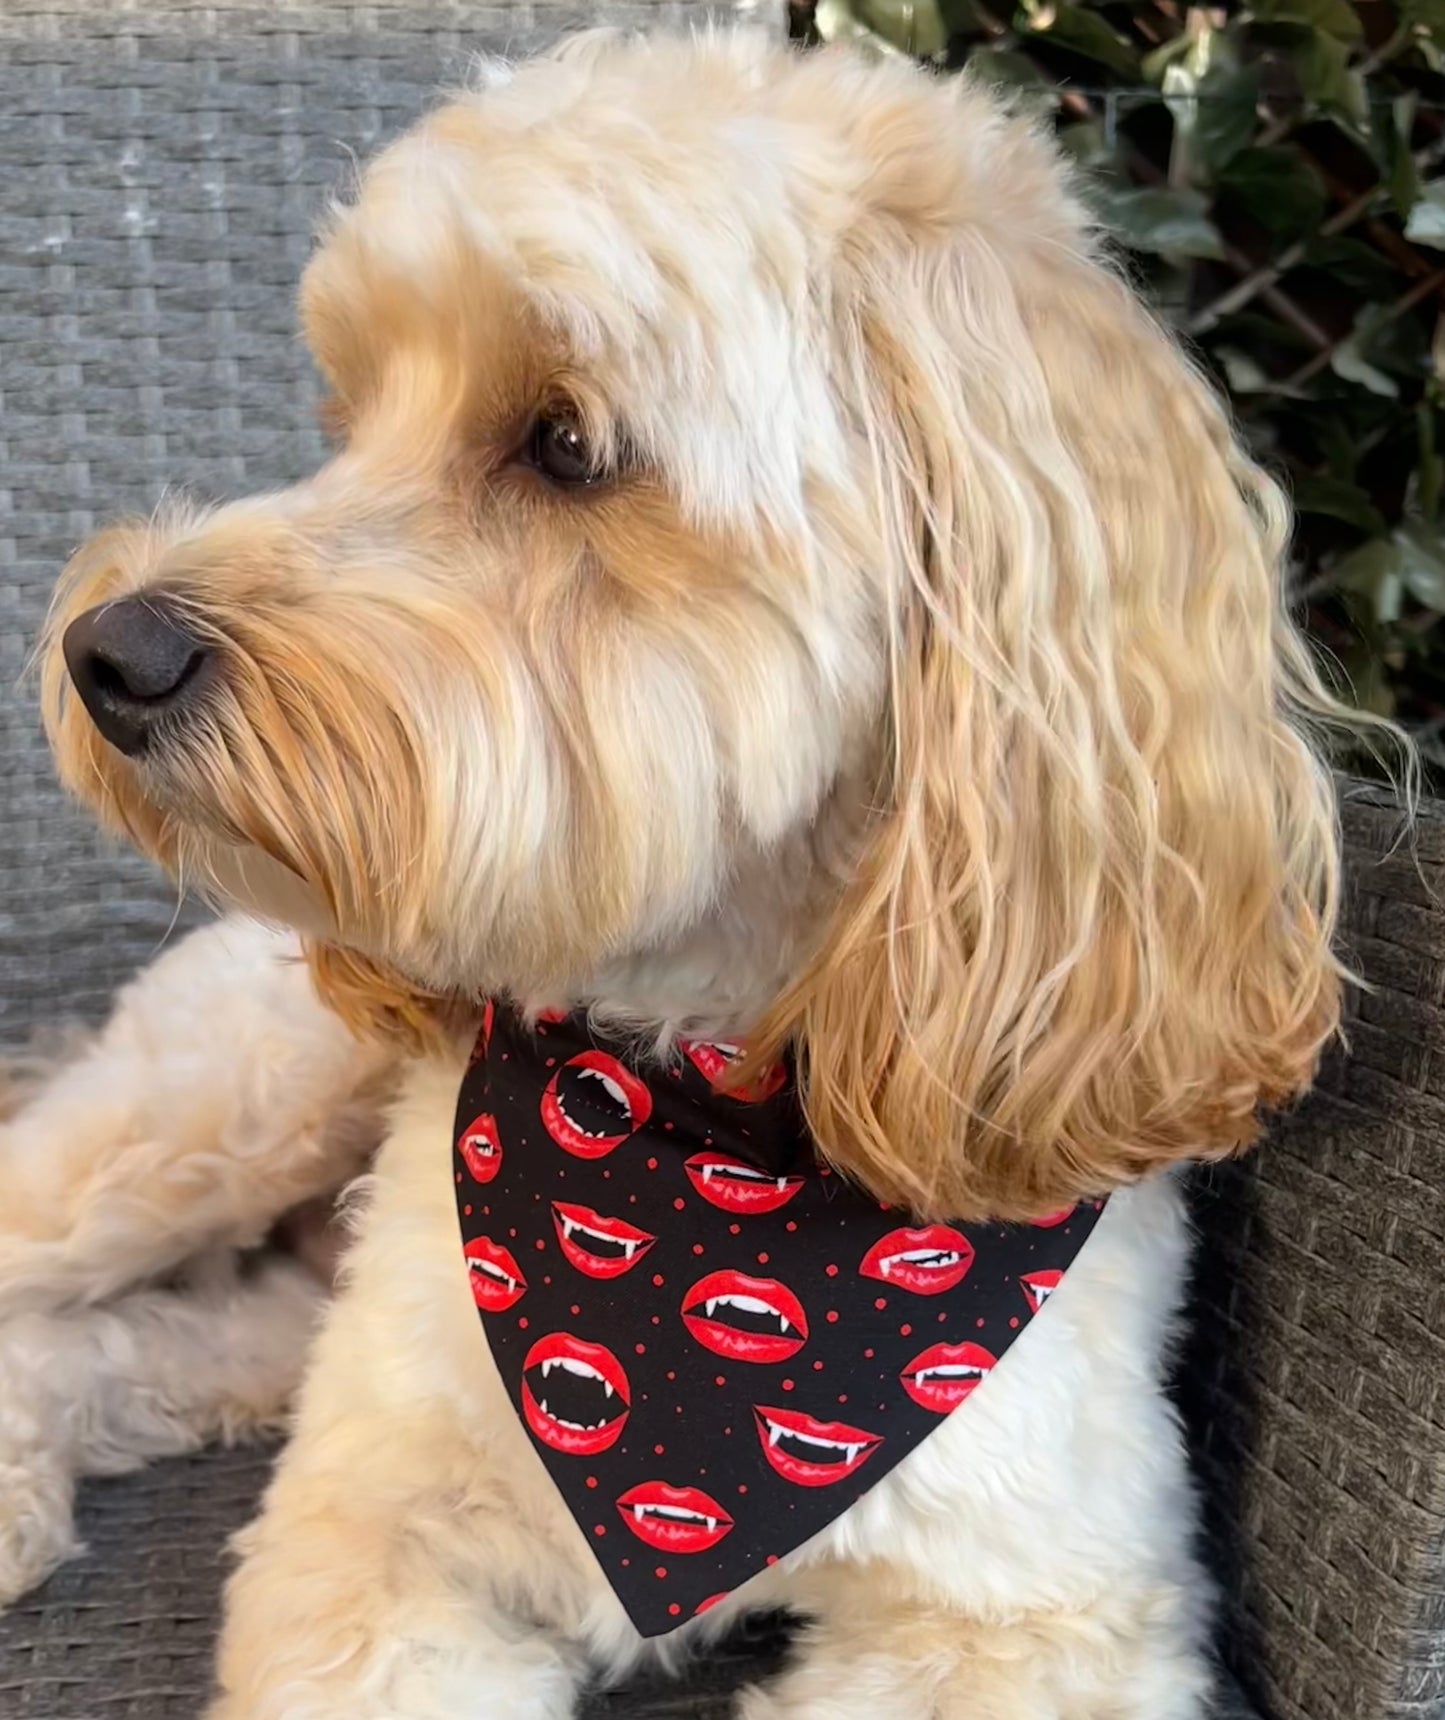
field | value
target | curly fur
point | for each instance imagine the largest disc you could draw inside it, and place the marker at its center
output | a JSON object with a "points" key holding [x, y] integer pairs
{"points": [[919, 693]]}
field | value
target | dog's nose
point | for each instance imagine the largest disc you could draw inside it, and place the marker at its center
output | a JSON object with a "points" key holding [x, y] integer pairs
{"points": [[137, 666]]}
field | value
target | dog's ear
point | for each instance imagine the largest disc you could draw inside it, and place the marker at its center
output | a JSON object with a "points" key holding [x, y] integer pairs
{"points": [[1090, 933], [375, 1002]]}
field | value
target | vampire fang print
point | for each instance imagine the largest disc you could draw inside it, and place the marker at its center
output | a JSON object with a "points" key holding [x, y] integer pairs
{"points": [[600, 1247], [674, 1519], [927, 1262], [481, 1149], [1039, 1286], [575, 1396], [737, 1186], [592, 1105], [943, 1375], [714, 1345], [810, 1452], [497, 1281], [745, 1319], [715, 1060]]}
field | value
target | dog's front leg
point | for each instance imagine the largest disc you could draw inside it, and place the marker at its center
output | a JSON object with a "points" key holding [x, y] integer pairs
{"points": [[219, 1094], [412, 1560], [879, 1645], [369, 1592], [99, 1391]]}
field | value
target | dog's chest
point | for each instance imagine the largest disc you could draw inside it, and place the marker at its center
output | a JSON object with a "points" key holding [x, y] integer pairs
{"points": [[714, 1344]]}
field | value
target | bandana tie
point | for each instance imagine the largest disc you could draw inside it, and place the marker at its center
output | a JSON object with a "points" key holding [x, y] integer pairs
{"points": [[715, 1344]]}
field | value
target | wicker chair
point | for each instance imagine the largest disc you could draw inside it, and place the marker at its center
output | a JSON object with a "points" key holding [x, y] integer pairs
{"points": [[159, 172], [1315, 1377]]}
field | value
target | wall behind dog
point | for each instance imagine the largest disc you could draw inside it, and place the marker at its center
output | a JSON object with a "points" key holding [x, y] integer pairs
{"points": [[161, 170]]}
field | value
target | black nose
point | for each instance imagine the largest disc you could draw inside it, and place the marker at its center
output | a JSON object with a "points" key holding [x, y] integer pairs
{"points": [[137, 666]]}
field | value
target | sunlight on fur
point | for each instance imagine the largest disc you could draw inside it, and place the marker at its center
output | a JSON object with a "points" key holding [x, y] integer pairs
{"points": [[946, 591], [775, 582]]}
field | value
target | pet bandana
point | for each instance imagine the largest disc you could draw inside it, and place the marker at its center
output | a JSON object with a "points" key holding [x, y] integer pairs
{"points": [[715, 1343]]}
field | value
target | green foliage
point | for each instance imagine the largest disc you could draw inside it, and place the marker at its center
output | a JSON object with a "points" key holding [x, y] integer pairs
{"points": [[1276, 174]]}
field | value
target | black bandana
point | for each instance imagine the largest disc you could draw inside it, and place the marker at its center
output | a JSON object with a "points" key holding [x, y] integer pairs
{"points": [[715, 1344]]}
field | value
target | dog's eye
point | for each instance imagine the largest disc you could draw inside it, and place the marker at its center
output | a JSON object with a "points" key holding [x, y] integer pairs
{"points": [[557, 446]]}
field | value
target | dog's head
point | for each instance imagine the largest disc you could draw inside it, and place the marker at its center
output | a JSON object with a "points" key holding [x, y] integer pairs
{"points": [[771, 566]]}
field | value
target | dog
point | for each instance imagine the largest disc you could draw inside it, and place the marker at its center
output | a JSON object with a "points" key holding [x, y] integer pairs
{"points": [[775, 583]]}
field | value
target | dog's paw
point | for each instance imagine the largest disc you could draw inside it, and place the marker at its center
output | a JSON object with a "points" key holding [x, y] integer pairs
{"points": [[37, 1527]]}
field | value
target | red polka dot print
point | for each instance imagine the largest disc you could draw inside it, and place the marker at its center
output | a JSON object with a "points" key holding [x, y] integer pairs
{"points": [[847, 1333]]}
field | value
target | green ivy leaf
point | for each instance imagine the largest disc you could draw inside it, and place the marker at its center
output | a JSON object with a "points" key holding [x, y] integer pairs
{"points": [[1422, 563], [1277, 188], [1243, 372], [1086, 144], [1393, 343], [1225, 120], [1426, 225], [838, 21], [1338, 500], [1336, 17], [1366, 681], [1353, 266], [1428, 48], [961, 18], [1008, 69], [1166, 223], [1375, 572], [1338, 444], [1322, 64], [1168, 53], [915, 26], [1391, 125], [1430, 473], [1081, 32], [1267, 334], [1428, 15], [1349, 363]]}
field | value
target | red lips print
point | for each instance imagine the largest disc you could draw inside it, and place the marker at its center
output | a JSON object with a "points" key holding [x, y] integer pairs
{"points": [[600, 1247], [927, 1261], [942, 1376], [496, 1279], [714, 1058], [575, 1395], [674, 1519], [678, 1324], [481, 1148], [1051, 1219], [592, 1104], [1039, 1286], [809, 1452], [745, 1319], [736, 1186]]}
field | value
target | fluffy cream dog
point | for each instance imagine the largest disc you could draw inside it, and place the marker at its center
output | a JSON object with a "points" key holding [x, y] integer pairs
{"points": [[775, 581]]}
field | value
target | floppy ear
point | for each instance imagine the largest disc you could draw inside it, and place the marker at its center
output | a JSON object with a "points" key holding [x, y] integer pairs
{"points": [[1090, 932]]}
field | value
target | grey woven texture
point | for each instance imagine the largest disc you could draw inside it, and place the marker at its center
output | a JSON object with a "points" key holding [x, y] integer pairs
{"points": [[161, 167], [128, 1632], [1317, 1375]]}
